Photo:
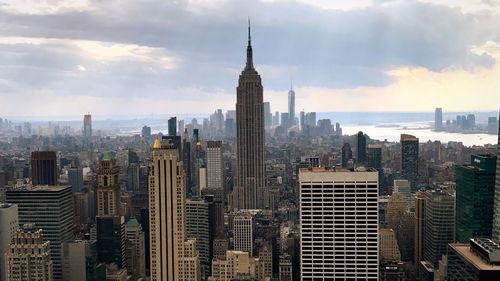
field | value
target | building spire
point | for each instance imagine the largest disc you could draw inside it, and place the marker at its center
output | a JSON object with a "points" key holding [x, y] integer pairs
{"points": [[249, 33], [249, 65]]}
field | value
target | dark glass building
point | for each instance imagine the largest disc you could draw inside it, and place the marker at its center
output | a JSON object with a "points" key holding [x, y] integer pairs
{"points": [[111, 239], [475, 193], [439, 224], [409, 160], [44, 167], [172, 126], [346, 154], [361, 148]]}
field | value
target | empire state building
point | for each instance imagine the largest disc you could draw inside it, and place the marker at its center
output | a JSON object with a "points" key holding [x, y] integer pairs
{"points": [[250, 190]]}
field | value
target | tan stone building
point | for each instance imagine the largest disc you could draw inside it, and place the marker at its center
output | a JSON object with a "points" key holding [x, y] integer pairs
{"points": [[237, 263], [250, 189], [28, 256], [389, 250], [396, 209], [173, 256], [108, 188]]}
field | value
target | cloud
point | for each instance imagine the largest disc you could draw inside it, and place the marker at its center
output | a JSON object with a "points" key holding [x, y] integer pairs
{"points": [[188, 50]]}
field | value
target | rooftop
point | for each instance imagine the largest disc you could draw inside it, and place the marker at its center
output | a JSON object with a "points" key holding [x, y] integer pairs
{"points": [[337, 169], [133, 223], [30, 187], [486, 248], [406, 137], [464, 250]]}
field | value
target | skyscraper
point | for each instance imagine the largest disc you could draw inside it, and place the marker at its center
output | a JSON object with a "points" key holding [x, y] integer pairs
{"points": [[496, 217], [291, 105], [361, 148], [186, 161], [146, 132], [75, 178], [136, 257], [173, 256], [243, 233], [108, 187], [28, 256], [49, 208], [438, 119], [214, 165], [172, 126], [9, 223], [374, 156], [475, 192], [409, 160], [198, 227], [302, 120], [268, 116], [346, 154], [87, 126], [111, 247], [285, 120], [420, 198], [389, 250], [439, 224], [44, 168], [250, 184], [339, 224], [80, 261], [374, 160]]}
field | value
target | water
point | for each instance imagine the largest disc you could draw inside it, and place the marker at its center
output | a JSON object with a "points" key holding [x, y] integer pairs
{"points": [[390, 125], [392, 134]]}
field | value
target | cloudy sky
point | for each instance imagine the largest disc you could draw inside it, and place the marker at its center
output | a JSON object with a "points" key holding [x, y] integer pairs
{"points": [[63, 58]]}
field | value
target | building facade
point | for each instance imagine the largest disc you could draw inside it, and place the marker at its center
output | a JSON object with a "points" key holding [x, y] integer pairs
{"points": [[49, 208], [409, 160], [198, 227], [108, 187], [339, 224], [44, 168], [496, 217], [28, 256], [243, 233], [9, 223], [361, 148], [439, 225], [237, 264], [173, 256], [135, 249], [80, 263], [475, 192], [111, 247], [250, 183], [214, 165], [438, 119]]}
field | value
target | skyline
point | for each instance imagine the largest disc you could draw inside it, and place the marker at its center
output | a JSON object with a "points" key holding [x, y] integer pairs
{"points": [[186, 54]]}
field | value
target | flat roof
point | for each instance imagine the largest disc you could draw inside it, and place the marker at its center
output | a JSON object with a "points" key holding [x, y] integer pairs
{"points": [[464, 251], [29, 187], [337, 170]]}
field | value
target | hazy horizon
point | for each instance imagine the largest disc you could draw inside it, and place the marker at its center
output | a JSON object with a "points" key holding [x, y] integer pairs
{"points": [[358, 117]]}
